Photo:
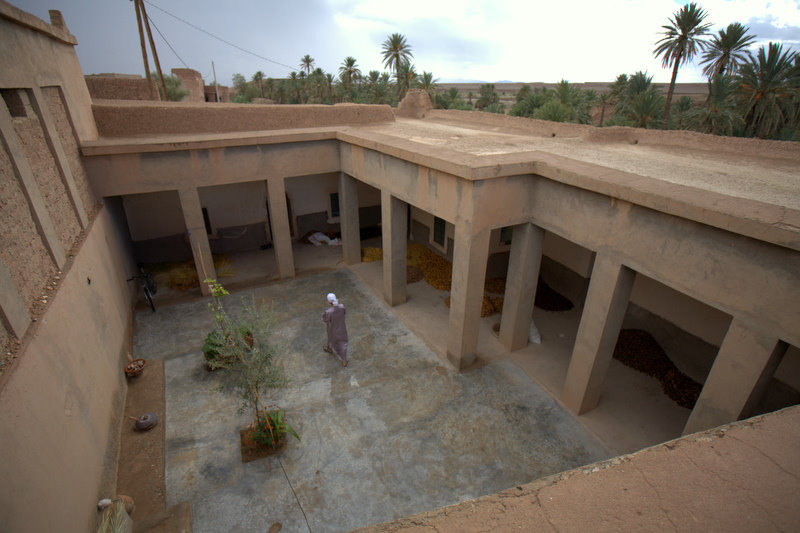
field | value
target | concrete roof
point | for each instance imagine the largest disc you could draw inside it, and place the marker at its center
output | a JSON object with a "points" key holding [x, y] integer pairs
{"points": [[748, 186]]}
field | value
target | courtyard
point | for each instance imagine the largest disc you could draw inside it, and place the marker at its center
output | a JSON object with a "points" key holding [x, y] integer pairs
{"points": [[397, 432]]}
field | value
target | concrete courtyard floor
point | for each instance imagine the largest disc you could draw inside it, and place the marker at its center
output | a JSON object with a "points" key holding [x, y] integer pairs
{"points": [[395, 433]]}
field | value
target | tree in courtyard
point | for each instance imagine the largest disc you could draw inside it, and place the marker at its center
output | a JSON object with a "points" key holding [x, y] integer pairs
{"points": [[770, 81], [683, 38], [727, 50], [395, 51], [307, 63], [175, 92]]}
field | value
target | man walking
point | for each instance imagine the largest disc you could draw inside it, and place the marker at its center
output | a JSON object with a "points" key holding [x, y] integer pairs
{"points": [[337, 331]]}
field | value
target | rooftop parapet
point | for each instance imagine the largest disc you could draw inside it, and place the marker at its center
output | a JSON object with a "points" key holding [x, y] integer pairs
{"points": [[137, 119]]}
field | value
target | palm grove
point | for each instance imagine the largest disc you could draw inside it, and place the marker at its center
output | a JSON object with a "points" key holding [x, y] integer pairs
{"points": [[750, 93], [310, 85]]}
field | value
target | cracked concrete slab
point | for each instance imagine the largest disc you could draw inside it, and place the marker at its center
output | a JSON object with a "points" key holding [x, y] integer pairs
{"points": [[395, 433]]}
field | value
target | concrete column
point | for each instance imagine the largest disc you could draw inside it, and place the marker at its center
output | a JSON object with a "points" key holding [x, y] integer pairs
{"points": [[606, 303], [348, 215], [281, 228], [198, 238], [44, 224], [523, 275], [393, 227], [12, 308], [466, 294], [746, 360], [54, 143]]}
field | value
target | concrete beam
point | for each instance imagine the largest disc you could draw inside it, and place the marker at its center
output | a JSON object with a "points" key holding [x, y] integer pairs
{"points": [[523, 275], [281, 228], [395, 241], [198, 238], [27, 182], [59, 156], [466, 293], [348, 215], [606, 303], [746, 360], [12, 308]]}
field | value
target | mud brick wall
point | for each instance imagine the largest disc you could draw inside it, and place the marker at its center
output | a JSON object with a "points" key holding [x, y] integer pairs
{"points": [[102, 88]]}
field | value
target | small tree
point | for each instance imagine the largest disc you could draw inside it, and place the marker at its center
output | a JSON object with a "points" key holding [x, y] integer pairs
{"points": [[175, 92], [247, 350]]}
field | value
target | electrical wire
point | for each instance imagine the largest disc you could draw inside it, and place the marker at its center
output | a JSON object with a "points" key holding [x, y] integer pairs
{"points": [[166, 41], [295, 495], [220, 38]]}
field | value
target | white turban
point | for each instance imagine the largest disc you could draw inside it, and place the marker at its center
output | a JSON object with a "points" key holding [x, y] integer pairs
{"points": [[332, 298]]}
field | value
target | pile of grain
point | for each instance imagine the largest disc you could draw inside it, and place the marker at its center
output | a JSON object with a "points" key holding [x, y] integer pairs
{"points": [[182, 275], [638, 349]]}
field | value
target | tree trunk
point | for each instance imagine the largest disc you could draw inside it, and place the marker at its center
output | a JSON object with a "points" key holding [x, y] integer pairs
{"points": [[670, 91]]}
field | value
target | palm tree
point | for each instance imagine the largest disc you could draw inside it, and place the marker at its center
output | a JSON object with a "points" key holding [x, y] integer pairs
{"points": [[405, 76], [427, 83], [306, 63], [348, 70], [604, 99], [769, 84], [396, 51], [718, 115], [682, 40], [727, 50], [258, 77]]}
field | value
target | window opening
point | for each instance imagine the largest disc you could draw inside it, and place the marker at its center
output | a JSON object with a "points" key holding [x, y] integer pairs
{"points": [[334, 204], [207, 221], [439, 226]]}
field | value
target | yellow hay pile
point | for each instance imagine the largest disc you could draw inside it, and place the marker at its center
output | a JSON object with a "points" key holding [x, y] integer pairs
{"points": [[182, 275], [487, 306]]}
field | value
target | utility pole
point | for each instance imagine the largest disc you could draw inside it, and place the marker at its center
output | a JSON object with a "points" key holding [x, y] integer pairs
{"points": [[153, 48], [144, 47], [216, 91]]}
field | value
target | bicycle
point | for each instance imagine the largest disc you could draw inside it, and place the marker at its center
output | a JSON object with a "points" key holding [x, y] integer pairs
{"points": [[148, 285]]}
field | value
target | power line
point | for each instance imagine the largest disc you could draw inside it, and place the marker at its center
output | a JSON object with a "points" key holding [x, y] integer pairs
{"points": [[220, 38], [166, 41]]}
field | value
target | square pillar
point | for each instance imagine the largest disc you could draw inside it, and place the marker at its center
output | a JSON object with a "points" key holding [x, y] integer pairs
{"points": [[745, 362], [606, 303], [281, 228], [393, 228], [523, 275], [466, 293], [198, 238], [348, 215]]}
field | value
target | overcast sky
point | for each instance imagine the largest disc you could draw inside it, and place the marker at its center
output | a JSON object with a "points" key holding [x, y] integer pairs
{"points": [[515, 40]]}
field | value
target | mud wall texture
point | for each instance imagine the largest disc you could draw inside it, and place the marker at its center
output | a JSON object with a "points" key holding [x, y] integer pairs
{"points": [[617, 134], [23, 249], [59, 405], [192, 82], [120, 88], [117, 119], [66, 305]]}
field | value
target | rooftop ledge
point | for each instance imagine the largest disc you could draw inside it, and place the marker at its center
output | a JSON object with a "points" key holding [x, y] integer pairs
{"points": [[726, 183]]}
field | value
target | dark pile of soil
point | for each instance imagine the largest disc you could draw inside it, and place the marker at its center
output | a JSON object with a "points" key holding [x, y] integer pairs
{"points": [[414, 274], [550, 300], [639, 350]]}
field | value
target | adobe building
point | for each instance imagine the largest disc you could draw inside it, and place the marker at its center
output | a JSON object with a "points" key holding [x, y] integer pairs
{"points": [[696, 236]]}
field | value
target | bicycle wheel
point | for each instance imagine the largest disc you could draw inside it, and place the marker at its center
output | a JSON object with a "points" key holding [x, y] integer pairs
{"points": [[149, 297]]}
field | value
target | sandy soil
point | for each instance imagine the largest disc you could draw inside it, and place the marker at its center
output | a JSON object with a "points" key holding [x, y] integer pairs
{"points": [[140, 471]]}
